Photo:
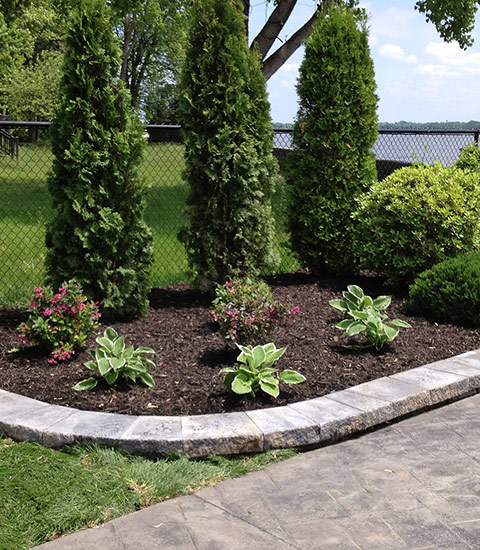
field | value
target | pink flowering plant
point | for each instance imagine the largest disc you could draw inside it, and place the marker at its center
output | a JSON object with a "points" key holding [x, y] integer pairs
{"points": [[60, 322], [247, 312]]}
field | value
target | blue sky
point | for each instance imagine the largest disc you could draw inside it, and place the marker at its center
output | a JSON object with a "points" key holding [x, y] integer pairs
{"points": [[419, 77]]}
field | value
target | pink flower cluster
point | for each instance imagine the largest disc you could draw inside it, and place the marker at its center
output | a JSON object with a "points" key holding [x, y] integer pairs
{"points": [[60, 321], [247, 312], [60, 354]]}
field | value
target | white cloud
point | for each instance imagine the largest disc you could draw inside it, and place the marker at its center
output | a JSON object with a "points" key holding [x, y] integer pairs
{"points": [[437, 71], [452, 54], [449, 61], [393, 22], [290, 68], [396, 53]]}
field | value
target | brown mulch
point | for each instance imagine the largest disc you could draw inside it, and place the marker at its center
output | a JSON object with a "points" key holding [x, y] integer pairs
{"points": [[190, 353]]}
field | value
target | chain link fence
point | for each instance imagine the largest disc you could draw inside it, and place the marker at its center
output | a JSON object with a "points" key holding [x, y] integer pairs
{"points": [[25, 207]]}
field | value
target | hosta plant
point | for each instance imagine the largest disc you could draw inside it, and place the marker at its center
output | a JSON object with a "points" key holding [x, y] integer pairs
{"points": [[367, 316], [113, 359], [257, 372]]}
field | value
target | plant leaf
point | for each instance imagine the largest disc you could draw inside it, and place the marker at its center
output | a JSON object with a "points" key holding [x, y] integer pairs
{"points": [[105, 343], [390, 332], [258, 356], [141, 350], [104, 366], [147, 379], [345, 323], [291, 377], [93, 365], [111, 376], [339, 304], [400, 323], [273, 356], [117, 362], [111, 334], [355, 328], [241, 385], [359, 314], [128, 352], [227, 381], [119, 346], [382, 302], [356, 291], [270, 387], [86, 384]]}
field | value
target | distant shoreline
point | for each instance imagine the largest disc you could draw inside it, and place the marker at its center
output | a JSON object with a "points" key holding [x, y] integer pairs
{"points": [[472, 125]]}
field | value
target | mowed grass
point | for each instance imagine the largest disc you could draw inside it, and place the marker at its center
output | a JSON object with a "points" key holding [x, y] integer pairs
{"points": [[47, 493], [26, 207]]}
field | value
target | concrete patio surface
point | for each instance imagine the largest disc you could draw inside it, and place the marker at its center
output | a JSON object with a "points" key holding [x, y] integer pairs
{"points": [[414, 484]]}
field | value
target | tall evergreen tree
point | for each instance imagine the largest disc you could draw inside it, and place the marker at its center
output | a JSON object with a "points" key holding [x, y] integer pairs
{"points": [[335, 129], [230, 167], [97, 235]]}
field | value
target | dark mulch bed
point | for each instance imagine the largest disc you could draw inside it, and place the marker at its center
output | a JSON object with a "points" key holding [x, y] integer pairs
{"points": [[190, 353]]}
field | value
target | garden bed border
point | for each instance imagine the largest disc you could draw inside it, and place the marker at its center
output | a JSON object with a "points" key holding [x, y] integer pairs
{"points": [[306, 424]]}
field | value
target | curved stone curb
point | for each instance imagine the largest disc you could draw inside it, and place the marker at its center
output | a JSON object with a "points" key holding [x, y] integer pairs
{"points": [[308, 423]]}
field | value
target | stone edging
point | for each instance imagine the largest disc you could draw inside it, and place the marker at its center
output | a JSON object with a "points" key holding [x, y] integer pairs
{"points": [[305, 424]]}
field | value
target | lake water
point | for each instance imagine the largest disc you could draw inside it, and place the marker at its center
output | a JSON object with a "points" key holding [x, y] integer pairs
{"points": [[408, 147]]}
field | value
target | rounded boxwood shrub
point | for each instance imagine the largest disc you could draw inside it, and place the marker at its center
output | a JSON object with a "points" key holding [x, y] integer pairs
{"points": [[449, 291], [469, 158], [417, 217]]}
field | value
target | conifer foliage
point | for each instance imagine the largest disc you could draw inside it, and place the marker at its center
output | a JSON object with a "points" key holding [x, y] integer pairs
{"points": [[230, 167], [97, 235], [335, 129]]}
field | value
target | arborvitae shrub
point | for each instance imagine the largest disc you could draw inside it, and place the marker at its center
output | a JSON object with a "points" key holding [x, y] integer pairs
{"points": [[97, 235], [417, 217], [449, 291], [230, 167], [334, 132]]}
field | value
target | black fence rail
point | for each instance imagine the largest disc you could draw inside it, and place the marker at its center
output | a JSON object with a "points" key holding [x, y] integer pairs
{"points": [[25, 207], [8, 144]]}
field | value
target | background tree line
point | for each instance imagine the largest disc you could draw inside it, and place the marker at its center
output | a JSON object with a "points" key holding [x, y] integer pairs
{"points": [[152, 35], [404, 125]]}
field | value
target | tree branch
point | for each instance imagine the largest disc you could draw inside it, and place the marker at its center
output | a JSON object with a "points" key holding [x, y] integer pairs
{"points": [[270, 31], [280, 56]]}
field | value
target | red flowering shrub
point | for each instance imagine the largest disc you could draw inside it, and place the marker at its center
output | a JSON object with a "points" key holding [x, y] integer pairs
{"points": [[60, 322]]}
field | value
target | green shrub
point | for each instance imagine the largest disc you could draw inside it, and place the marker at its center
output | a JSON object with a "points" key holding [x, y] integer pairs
{"points": [[335, 129], [469, 158], [449, 291], [247, 311], [60, 321], [230, 167], [97, 235], [417, 217]]}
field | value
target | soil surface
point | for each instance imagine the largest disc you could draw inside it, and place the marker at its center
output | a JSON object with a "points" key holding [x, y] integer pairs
{"points": [[189, 353]]}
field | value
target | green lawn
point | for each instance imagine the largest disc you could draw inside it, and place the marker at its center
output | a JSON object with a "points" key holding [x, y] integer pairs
{"points": [[47, 493], [25, 208]]}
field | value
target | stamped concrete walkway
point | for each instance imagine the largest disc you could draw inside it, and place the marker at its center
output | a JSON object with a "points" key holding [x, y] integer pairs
{"points": [[411, 485]]}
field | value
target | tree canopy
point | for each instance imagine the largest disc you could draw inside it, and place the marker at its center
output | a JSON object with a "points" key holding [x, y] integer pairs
{"points": [[31, 51]]}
